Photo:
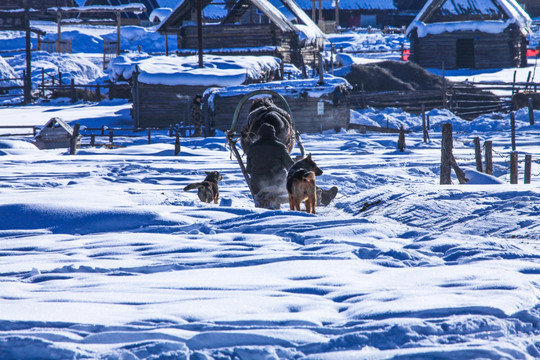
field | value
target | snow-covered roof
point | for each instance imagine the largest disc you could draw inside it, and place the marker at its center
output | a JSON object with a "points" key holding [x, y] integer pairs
{"points": [[311, 87], [285, 14], [172, 70], [136, 8], [382, 5], [160, 14], [489, 16]]}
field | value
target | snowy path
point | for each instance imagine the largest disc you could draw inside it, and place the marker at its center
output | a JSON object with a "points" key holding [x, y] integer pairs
{"points": [[102, 255]]}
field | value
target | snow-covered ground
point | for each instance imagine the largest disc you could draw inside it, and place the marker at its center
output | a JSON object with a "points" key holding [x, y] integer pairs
{"points": [[105, 257]]}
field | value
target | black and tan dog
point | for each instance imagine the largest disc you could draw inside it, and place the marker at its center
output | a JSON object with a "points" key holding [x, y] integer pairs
{"points": [[301, 184], [208, 189]]}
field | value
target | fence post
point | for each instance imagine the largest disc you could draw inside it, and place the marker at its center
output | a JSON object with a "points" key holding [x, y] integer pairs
{"points": [[74, 137], [111, 137], [531, 110], [149, 136], [514, 167], [73, 91], [42, 82], [488, 145], [513, 129], [401, 139], [59, 78], [98, 92], [478, 154], [446, 153], [177, 144], [93, 140], [424, 125], [528, 162]]}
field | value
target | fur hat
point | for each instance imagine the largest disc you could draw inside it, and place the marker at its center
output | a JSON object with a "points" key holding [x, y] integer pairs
{"points": [[266, 130]]}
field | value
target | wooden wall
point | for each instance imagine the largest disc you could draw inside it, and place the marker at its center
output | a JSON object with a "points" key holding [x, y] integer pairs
{"points": [[303, 109], [224, 36], [161, 106], [490, 50], [253, 35]]}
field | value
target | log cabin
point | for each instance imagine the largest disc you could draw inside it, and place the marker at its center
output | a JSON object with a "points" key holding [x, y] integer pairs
{"points": [[268, 27], [476, 34]]}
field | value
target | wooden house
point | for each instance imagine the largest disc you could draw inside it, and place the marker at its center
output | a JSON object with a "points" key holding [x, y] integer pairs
{"points": [[314, 107], [55, 134], [269, 27], [474, 34], [163, 87], [351, 13]]}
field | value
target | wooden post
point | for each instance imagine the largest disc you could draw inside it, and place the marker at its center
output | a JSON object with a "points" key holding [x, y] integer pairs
{"points": [[531, 110], [424, 125], [313, 11], [320, 13], [444, 100], [199, 33], [321, 69], [177, 144], [166, 45], [118, 24], [528, 163], [488, 147], [98, 92], [459, 173], [73, 91], [58, 30], [42, 82], [111, 137], [337, 14], [446, 153], [92, 140], [513, 129], [149, 136], [74, 137], [514, 167], [27, 82], [401, 139], [478, 154], [514, 85]]}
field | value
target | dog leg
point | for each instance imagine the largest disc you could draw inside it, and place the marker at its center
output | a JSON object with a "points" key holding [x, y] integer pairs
{"points": [[307, 205], [291, 202]]}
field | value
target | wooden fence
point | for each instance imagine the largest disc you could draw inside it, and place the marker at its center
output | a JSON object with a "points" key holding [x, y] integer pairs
{"points": [[62, 46]]}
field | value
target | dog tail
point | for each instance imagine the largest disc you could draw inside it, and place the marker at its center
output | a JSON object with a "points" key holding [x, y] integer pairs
{"points": [[194, 186]]}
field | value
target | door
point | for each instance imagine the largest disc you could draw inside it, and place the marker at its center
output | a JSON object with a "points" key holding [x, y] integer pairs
{"points": [[465, 53]]}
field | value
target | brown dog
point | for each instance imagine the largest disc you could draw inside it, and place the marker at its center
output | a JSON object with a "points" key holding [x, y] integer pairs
{"points": [[208, 189], [301, 184]]}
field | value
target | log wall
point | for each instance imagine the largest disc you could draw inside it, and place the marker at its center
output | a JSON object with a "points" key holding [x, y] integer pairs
{"points": [[291, 49], [490, 50], [303, 109], [160, 106]]}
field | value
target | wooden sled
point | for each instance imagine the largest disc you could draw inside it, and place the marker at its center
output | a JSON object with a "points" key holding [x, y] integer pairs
{"points": [[247, 135]]}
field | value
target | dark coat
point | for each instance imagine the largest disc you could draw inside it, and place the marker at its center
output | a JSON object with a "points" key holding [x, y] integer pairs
{"points": [[267, 163]]}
